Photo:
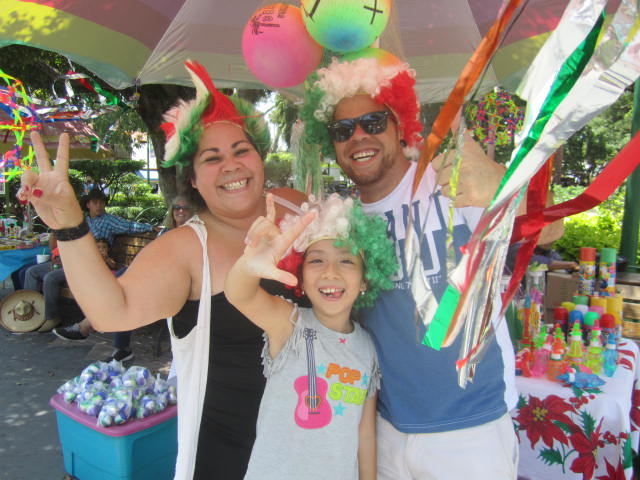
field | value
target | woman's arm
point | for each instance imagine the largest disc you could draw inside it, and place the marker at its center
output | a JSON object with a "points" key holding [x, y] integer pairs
{"points": [[265, 247], [156, 284], [367, 459]]}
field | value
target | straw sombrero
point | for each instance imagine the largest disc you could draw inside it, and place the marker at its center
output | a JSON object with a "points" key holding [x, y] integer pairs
{"points": [[22, 311]]}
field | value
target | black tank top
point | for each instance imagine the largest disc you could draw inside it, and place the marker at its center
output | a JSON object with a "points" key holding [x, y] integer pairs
{"points": [[235, 383]]}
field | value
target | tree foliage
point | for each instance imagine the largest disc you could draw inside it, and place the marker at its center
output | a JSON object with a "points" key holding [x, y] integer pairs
{"points": [[588, 151], [283, 115], [278, 169], [597, 228], [109, 175]]}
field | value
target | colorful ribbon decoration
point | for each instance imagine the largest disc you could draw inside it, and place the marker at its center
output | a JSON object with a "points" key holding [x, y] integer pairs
{"points": [[426, 305], [470, 74], [563, 103], [600, 189], [26, 113]]}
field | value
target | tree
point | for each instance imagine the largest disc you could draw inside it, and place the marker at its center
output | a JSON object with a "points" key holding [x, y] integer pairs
{"points": [[588, 151], [283, 115], [108, 175], [38, 69], [278, 169]]}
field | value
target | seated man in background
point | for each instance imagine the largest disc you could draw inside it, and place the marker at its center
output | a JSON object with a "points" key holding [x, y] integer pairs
{"points": [[48, 278], [546, 255], [179, 212], [104, 225]]}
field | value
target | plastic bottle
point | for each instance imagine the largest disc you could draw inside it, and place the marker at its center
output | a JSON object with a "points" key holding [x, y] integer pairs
{"points": [[575, 316], [608, 326], [526, 323], [587, 271], [559, 339], [597, 300], [561, 318], [610, 357], [575, 354], [594, 350], [607, 272], [588, 323], [541, 355], [557, 365], [523, 362], [614, 307]]}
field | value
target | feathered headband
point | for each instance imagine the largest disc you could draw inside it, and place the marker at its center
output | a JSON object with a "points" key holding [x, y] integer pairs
{"points": [[184, 122], [345, 221], [389, 84]]}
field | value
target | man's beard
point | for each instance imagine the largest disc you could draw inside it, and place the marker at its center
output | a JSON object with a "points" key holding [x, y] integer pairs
{"points": [[369, 178]]}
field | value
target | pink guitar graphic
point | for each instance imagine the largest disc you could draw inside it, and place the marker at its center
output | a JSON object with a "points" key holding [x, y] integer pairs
{"points": [[312, 410]]}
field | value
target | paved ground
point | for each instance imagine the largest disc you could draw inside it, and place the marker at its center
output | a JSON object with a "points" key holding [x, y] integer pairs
{"points": [[34, 365]]}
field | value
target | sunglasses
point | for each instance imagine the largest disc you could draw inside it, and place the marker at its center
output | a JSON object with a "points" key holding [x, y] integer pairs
{"points": [[372, 123], [180, 207]]}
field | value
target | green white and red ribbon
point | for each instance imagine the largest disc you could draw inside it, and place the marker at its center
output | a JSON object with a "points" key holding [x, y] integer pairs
{"points": [[583, 76]]}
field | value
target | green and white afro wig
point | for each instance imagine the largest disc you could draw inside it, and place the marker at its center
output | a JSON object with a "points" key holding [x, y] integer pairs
{"points": [[344, 220], [184, 122]]}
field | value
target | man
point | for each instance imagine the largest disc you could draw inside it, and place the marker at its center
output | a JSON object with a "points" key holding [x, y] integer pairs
{"points": [[48, 278], [428, 426], [104, 227]]}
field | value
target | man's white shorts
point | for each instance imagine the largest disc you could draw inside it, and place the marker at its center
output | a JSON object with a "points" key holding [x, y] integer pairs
{"points": [[485, 452]]}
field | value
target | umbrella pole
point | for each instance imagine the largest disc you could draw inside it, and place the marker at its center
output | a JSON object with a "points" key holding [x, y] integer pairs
{"points": [[631, 216]]}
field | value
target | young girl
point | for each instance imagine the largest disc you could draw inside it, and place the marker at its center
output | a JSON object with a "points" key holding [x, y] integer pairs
{"points": [[317, 415]]}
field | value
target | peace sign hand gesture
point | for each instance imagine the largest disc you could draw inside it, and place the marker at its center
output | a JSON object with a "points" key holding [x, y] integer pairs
{"points": [[266, 245], [49, 191]]}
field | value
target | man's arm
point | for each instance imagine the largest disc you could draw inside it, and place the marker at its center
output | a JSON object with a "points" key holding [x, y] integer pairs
{"points": [[478, 181], [118, 225]]}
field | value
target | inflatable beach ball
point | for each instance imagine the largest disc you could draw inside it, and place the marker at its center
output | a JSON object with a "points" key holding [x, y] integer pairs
{"points": [[384, 58], [345, 25], [277, 47]]}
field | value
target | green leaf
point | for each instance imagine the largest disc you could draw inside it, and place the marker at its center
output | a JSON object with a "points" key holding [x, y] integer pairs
{"points": [[522, 402], [627, 453], [588, 423], [565, 427], [551, 456]]}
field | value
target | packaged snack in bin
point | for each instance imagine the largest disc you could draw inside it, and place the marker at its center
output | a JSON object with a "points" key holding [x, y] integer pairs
{"points": [[114, 394], [117, 408], [147, 406], [70, 389], [95, 371], [137, 377]]}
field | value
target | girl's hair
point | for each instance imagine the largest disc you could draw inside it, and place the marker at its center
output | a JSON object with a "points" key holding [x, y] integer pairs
{"points": [[185, 123], [345, 221]]}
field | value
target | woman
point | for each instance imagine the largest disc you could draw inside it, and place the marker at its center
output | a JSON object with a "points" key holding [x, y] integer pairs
{"points": [[218, 141], [179, 212]]}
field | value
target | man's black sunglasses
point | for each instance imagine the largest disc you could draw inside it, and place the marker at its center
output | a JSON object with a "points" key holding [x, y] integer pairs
{"points": [[372, 123]]}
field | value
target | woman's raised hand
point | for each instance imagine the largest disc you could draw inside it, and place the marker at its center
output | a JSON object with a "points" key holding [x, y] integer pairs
{"points": [[49, 191], [266, 244]]}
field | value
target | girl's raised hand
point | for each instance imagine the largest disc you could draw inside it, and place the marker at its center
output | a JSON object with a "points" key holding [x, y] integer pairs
{"points": [[266, 245], [49, 191]]}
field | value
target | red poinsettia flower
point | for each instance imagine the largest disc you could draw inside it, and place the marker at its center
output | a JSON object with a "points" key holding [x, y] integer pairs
{"points": [[613, 473], [537, 419], [587, 448]]}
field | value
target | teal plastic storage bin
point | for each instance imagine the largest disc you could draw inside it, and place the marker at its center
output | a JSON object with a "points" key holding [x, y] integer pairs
{"points": [[142, 449]]}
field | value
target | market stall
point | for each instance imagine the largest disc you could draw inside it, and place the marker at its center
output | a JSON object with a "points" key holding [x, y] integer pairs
{"points": [[580, 432]]}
